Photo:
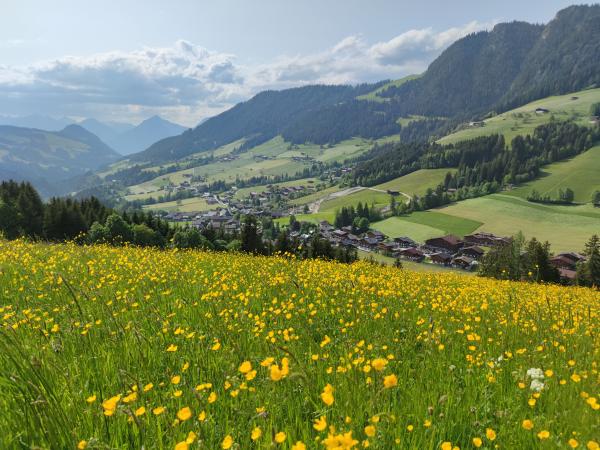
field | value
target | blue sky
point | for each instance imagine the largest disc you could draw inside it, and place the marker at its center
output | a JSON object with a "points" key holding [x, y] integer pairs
{"points": [[186, 60]]}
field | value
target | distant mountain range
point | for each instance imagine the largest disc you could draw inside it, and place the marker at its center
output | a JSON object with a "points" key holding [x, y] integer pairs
{"points": [[127, 139], [50, 157], [485, 72], [122, 137]]}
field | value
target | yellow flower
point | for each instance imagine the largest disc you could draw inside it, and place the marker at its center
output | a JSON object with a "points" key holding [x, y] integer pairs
{"points": [[379, 364], [130, 398], [140, 411], [575, 378], [245, 367], [183, 445], [81, 445], [91, 399], [202, 416], [212, 397], [256, 433], [593, 445], [280, 437], [110, 405], [227, 442], [191, 437], [320, 423], [370, 430], [327, 395], [544, 434], [176, 379], [390, 381], [250, 375], [172, 348], [527, 424], [184, 414], [490, 434], [573, 443], [158, 410], [299, 446], [477, 442], [446, 445], [148, 387]]}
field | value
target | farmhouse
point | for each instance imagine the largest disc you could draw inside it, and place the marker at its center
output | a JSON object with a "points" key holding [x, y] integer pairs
{"points": [[449, 243], [412, 254], [464, 262], [486, 239], [442, 259], [541, 111], [474, 252], [405, 242]]}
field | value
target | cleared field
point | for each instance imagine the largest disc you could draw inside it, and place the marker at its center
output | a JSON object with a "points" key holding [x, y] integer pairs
{"points": [[423, 225], [582, 174], [365, 196], [374, 95], [185, 205], [565, 227], [416, 183], [522, 120], [313, 218]]}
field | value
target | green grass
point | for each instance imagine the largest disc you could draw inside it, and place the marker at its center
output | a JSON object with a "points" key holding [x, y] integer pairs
{"points": [[565, 227], [374, 95], [416, 183], [423, 225], [93, 340], [185, 205], [522, 120], [313, 218], [365, 196], [582, 174]]}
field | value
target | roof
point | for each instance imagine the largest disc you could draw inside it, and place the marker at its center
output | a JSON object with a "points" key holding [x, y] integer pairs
{"points": [[449, 239]]}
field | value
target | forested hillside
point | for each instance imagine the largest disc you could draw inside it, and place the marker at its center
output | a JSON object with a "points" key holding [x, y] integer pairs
{"points": [[486, 71]]}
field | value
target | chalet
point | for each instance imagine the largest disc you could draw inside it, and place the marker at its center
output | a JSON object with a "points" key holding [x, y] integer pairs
{"points": [[464, 262], [405, 242], [567, 275], [325, 226], [393, 193], [449, 243], [567, 260], [374, 234], [486, 239], [387, 248], [369, 243], [477, 123], [412, 254], [541, 110], [443, 259], [474, 252], [340, 233]]}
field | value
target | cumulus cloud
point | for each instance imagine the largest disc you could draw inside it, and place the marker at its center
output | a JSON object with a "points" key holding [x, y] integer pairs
{"points": [[187, 82]]}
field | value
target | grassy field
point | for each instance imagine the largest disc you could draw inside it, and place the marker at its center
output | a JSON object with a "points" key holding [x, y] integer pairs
{"points": [[185, 205], [118, 348], [312, 218], [423, 225], [524, 119], [565, 227], [582, 174], [411, 184], [252, 163], [374, 95]]}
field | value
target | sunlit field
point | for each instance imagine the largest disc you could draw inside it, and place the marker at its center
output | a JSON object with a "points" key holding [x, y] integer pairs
{"points": [[118, 348]]}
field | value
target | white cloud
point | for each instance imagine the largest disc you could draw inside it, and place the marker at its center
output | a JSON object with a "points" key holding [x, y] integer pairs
{"points": [[186, 82]]}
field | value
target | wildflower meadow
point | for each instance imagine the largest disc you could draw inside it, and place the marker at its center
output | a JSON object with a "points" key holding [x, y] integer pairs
{"points": [[118, 348]]}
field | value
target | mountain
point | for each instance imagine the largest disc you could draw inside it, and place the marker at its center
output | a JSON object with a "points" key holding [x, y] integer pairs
{"points": [[127, 139], [514, 63], [46, 157], [259, 119], [37, 121]]}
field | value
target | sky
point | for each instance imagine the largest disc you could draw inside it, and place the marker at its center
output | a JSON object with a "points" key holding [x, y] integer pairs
{"points": [[186, 60]]}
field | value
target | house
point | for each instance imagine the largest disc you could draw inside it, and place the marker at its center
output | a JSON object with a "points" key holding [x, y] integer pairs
{"points": [[486, 239], [567, 260], [393, 193], [541, 110], [387, 248], [325, 226], [412, 254], [376, 235], [370, 243], [567, 275], [474, 252], [405, 242], [449, 243], [477, 123], [464, 262], [443, 259]]}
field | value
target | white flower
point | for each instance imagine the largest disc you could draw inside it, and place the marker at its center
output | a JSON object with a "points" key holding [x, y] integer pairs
{"points": [[536, 385], [535, 374]]}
